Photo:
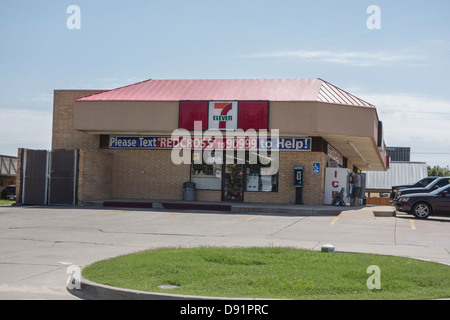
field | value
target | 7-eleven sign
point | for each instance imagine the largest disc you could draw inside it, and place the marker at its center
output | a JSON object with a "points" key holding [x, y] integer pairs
{"points": [[223, 115]]}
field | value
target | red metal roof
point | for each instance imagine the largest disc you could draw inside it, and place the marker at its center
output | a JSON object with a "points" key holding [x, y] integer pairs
{"points": [[231, 89]]}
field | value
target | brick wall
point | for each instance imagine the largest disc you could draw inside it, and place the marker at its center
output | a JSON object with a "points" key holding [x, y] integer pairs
{"points": [[64, 136], [208, 195], [150, 174], [147, 174], [130, 174], [95, 175]]}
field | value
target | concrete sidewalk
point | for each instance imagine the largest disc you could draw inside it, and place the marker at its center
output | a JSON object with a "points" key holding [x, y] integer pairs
{"points": [[238, 207]]}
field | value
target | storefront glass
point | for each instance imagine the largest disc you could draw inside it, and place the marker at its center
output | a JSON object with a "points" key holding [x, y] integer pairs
{"points": [[261, 176], [238, 173], [233, 182], [207, 174]]}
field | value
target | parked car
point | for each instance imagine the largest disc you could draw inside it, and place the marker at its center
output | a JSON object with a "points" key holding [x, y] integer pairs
{"points": [[422, 205], [436, 184], [418, 184], [9, 193]]}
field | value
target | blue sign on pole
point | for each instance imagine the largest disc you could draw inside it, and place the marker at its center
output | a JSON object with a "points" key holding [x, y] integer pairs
{"points": [[316, 167]]}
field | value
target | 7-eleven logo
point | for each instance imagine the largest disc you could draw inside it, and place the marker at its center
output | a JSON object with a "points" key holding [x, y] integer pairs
{"points": [[223, 114]]}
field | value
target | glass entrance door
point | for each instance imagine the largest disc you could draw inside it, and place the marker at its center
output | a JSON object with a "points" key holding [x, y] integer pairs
{"points": [[233, 180]]}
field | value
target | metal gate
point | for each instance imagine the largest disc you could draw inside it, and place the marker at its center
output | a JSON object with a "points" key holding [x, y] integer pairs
{"points": [[63, 177], [34, 184], [49, 177]]}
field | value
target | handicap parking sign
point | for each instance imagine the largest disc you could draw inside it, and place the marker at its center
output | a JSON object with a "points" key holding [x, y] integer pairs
{"points": [[316, 167]]}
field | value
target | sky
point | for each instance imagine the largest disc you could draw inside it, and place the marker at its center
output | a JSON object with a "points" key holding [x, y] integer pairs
{"points": [[401, 66]]}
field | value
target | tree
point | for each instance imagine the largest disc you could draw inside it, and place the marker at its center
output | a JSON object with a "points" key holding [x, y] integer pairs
{"points": [[438, 171]]}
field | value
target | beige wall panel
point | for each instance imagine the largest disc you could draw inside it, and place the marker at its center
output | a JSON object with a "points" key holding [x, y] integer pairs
{"points": [[126, 116], [302, 117], [317, 118]]}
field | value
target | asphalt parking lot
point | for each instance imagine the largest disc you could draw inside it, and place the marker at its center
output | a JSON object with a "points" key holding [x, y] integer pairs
{"points": [[39, 244]]}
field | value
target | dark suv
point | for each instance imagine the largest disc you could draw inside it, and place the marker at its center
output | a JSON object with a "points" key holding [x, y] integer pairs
{"points": [[436, 184], [418, 184]]}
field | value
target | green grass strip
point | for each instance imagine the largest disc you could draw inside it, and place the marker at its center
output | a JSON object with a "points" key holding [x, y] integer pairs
{"points": [[276, 273], [6, 202]]}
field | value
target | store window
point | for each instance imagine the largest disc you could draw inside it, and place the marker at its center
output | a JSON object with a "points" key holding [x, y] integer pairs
{"points": [[261, 176], [207, 173]]}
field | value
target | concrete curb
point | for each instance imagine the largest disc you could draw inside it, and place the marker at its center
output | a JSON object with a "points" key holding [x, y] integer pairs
{"points": [[293, 209], [95, 291]]}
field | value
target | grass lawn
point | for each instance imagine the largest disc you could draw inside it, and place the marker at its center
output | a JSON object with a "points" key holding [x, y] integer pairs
{"points": [[277, 273], [6, 202]]}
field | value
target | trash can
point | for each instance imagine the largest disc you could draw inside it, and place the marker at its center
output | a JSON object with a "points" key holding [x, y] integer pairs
{"points": [[189, 191]]}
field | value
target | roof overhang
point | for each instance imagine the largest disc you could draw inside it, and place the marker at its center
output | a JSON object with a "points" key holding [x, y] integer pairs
{"points": [[298, 107], [362, 151]]}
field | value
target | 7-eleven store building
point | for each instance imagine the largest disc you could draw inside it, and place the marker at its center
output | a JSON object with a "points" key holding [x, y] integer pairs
{"points": [[144, 141]]}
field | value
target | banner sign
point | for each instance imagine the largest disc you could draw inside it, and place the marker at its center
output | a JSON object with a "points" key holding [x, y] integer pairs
{"points": [[335, 155], [285, 144], [224, 115], [237, 143]]}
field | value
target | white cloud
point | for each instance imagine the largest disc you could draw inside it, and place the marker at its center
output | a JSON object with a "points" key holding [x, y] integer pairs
{"points": [[416, 121], [24, 129], [357, 58], [113, 83], [43, 97]]}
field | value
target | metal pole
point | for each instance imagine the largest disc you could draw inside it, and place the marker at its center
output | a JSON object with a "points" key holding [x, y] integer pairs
{"points": [[75, 176], [47, 178], [24, 166]]}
